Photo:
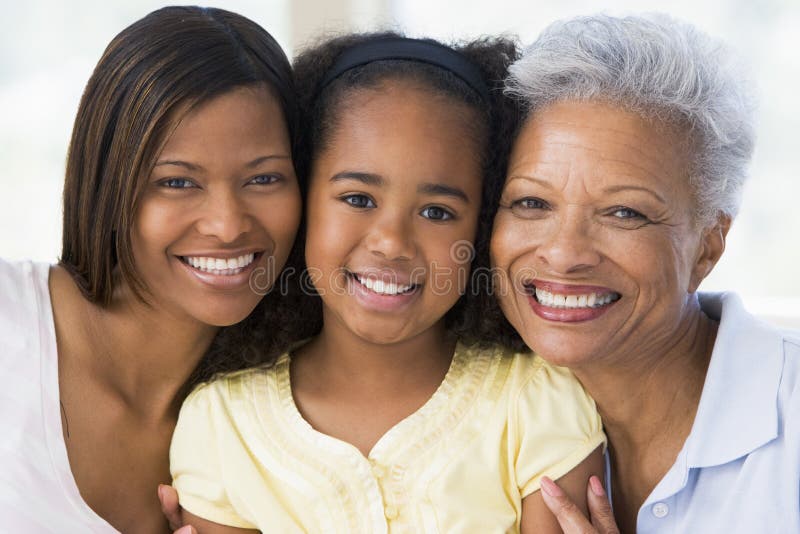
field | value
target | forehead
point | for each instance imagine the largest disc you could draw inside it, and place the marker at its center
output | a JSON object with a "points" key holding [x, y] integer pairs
{"points": [[246, 115], [602, 142], [403, 129]]}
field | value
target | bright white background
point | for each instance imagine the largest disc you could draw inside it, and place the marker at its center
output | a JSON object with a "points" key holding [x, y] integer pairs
{"points": [[48, 49]]}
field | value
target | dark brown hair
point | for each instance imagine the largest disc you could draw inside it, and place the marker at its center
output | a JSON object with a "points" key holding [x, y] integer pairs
{"points": [[154, 71]]}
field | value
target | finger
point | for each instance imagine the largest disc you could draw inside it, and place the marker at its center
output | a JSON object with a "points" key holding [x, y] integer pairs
{"points": [[568, 515], [170, 506], [188, 529], [600, 508]]}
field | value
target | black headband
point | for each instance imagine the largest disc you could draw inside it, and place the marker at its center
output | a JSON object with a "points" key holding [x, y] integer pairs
{"points": [[411, 50]]}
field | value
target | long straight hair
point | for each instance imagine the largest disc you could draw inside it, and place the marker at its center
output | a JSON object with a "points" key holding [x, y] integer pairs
{"points": [[151, 74]]}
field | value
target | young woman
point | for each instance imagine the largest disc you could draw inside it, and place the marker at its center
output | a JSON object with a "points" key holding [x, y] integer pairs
{"points": [[393, 417], [180, 193]]}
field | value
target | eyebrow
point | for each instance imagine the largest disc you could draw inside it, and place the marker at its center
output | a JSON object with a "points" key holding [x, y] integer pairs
{"points": [[610, 189], [195, 167], [377, 180], [442, 189], [543, 183], [618, 188], [363, 177]]}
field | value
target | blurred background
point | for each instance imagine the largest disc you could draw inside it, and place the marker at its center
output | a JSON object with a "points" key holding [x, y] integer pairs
{"points": [[48, 49]]}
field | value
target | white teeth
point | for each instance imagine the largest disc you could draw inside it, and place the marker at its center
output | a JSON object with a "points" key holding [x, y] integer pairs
{"points": [[384, 288], [220, 266], [590, 300]]}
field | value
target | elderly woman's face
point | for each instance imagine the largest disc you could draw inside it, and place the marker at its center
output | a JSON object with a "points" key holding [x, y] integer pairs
{"points": [[595, 239]]}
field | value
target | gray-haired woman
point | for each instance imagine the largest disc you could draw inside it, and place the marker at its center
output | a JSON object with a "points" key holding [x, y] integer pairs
{"points": [[621, 188]]}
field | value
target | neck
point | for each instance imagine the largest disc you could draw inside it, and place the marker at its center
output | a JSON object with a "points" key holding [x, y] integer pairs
{"points": [[144, 354], [656, 392], [346, 358]]}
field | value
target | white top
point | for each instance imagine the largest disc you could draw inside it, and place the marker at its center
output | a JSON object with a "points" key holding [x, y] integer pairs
{"points": [[38, 493], [739, 469]]}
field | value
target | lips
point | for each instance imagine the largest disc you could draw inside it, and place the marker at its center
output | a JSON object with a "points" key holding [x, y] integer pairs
{"points": [[384, 285], [222, 270], [569, 303], [218, 265], [389, 292]]}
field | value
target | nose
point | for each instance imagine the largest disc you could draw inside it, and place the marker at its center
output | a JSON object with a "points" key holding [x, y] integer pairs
{"points": [[224, 216], [392, 238], [568, 246]]}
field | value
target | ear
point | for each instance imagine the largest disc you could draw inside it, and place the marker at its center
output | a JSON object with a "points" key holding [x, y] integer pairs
{"points": [[712, 245]]}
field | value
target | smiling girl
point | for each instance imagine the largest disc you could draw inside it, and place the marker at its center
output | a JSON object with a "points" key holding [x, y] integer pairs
{"points": [[179, 190], [394, 416]]}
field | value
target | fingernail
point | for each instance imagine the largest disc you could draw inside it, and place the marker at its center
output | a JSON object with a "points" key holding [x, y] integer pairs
{"points": [[597, 486], [160, 492], [551, 488]]}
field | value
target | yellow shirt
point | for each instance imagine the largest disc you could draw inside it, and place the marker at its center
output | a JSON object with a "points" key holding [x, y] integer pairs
{"points": [[242, 455]]}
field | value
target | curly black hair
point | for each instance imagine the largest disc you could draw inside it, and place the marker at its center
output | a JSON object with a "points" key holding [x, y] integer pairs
{"points": [[476, 316], [292, 311]]}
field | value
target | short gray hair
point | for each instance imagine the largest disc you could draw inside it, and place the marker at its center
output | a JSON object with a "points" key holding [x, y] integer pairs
{"points": [[661, 69]]}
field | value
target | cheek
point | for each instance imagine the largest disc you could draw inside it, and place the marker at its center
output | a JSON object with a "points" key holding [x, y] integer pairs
{"points": [[281, 217], [329, 237], [509, 242], [154, 228]]}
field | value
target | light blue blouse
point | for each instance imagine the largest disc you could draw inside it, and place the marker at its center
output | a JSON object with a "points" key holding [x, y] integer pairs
{"points": [[739, 469]]}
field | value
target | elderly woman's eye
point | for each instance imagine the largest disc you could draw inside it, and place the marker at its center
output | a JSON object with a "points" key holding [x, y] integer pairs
{"points": [[622, 212], [529, 207], [529, 203]]}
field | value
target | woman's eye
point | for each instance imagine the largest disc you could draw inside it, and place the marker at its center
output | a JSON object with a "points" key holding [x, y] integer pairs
{"points": [[177, 183], [265, 179], [436, 213], [358, 201], [529, 204], [529, 207], [621, 212]]}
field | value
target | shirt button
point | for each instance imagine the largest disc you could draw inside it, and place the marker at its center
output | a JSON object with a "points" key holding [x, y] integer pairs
{"points": [[660, 509], [391, 512], [378, 470]]}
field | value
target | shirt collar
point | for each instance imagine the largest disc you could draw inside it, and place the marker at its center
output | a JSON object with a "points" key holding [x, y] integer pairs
{"points": [[738, 407]]}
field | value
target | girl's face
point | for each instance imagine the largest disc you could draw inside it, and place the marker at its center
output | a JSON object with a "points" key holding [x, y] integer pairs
{"points": [[220, 210], [392, 211]]}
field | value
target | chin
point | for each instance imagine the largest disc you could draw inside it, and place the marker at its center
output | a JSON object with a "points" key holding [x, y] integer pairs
{"points": [[219, 316], [559, 350], [381, 336]]}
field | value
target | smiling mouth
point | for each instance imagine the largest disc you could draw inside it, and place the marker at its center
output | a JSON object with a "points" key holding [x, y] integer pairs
{"points": [[221, 266], [379, 287], [563, 301]]}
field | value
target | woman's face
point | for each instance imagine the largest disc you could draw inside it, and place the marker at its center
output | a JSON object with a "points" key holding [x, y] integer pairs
{"points": [[393, 201], [595, 238], [220, 210]]}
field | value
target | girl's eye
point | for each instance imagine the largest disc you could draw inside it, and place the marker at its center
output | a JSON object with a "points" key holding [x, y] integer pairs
{"points": [[358, 201], [265, 179], [177, 183], [436, 213]]}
